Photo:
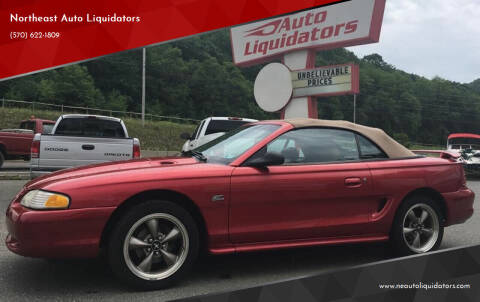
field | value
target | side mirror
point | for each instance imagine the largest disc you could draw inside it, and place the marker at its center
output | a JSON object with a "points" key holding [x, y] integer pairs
{"points": [[185, 136], [268, 159]]}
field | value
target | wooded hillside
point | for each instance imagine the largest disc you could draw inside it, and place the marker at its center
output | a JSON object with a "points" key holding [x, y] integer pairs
{"points": [[195, 78]]}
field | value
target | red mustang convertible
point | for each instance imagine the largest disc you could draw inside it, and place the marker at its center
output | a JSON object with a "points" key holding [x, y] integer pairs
{"points": [[266, 185]]}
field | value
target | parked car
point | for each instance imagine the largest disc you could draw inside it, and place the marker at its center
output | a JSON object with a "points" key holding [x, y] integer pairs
{"points": [[288, 183], [211, 128], [468, 145], [15, 143], [78, 140]]}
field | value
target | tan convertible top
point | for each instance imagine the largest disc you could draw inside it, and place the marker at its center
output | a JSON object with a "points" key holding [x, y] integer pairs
{"points": [[385, 142]]}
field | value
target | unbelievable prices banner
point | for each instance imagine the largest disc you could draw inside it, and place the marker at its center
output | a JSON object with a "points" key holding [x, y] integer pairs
{"points": [[37, 35]]}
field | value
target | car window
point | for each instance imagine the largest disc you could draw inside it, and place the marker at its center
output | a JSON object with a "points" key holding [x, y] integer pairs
{"points": [[369, 149], [315, 145], [30, 125], [91, 127], [230, 146], [47, 128], [216, 126], [278, 145], [195, 133]]}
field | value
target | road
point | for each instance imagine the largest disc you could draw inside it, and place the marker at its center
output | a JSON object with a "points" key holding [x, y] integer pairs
{"points": [[29, 279]]}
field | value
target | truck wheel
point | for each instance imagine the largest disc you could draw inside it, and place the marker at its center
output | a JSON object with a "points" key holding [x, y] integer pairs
{"points": [[153, 245], [418, 226], [2, 159]]}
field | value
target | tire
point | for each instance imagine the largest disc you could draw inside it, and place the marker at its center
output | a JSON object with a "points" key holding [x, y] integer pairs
{"points": [[418, 233], [2, 159], [153, 263]]}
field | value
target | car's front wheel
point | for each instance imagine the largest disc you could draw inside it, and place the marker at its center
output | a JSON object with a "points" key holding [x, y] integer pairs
{"points": [[153, 245], [418, 226]]}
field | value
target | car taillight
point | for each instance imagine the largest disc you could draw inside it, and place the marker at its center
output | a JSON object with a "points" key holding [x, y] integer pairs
{"points": [[35, 149], [136, 150]]}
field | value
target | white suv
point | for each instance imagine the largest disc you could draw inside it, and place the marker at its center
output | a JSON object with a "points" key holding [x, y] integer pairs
{"points": [[211, 128]]}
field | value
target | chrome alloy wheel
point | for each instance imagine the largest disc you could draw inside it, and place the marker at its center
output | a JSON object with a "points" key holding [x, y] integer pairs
{"points": [[156, 246], [421, 227]]}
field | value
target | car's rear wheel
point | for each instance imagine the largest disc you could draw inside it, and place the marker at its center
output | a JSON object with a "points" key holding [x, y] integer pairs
{"points": [[418, 226], [153, 245]]}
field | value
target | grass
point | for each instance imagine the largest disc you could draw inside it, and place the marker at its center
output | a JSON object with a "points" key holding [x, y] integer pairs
{"points": [[156, 135], [426, 147]]}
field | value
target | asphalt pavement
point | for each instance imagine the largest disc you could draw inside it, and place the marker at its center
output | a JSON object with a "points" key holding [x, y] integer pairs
{"points": [[15, 165], [15, 170], [23, 279]]}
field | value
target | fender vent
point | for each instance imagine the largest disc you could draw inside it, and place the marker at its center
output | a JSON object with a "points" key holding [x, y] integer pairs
{"points": [[381, 204]]}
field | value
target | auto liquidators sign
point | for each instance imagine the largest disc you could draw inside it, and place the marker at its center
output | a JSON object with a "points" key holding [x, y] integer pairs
{"points": [[326, 81], [345, 24]]}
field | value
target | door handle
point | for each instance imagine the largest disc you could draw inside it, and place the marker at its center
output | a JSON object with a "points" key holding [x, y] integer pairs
{"points": [[353, 182], [88, 147]]}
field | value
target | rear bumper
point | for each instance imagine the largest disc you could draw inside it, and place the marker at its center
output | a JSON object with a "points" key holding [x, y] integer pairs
{"points": [[459, 205], [72, 233]]}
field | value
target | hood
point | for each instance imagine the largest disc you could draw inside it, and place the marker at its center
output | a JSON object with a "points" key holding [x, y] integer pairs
{"points": [[109, 167]]}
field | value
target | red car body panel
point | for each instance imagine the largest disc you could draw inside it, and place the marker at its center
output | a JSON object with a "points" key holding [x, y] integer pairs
{"points": [[299, 202], [57, 234], [284, 206], [18, 144]]}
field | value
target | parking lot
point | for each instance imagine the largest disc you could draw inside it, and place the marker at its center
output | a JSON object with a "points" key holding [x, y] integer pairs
{"points": [[37, 279]]}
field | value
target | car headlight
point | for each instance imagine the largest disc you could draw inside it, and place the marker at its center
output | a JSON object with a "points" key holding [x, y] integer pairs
{"points": [[43, 200]]}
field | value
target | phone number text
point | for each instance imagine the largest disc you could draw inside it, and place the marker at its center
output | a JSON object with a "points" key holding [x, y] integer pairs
{"points": [[23, 35]]}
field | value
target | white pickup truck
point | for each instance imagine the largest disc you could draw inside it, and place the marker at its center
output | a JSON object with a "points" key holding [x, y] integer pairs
{"points": [[211, 128], [77, 140]]}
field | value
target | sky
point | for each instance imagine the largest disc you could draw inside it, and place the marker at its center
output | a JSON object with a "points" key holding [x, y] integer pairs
{"points": [[430, 38]]}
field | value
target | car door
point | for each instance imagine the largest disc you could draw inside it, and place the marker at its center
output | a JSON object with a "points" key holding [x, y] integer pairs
{"points": [[322, 190]]}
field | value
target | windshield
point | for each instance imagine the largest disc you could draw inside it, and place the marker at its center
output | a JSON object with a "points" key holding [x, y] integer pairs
{"points": [[91, 127], [230, 146], [47, 128], [216, 126], [464, 143]]}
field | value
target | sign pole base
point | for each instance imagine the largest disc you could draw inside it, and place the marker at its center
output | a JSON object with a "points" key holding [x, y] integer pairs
{"points": [[302, 106]]}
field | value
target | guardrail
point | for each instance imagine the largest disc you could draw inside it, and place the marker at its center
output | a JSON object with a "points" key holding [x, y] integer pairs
{"points": [[86, 110]]}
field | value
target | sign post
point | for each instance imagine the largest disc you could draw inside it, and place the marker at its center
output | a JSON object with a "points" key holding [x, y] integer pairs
{"points": [[355, 108], [144, 54], [301, 106]]}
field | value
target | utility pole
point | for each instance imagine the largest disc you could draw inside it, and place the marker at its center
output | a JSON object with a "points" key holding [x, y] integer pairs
{"points": [[354, 108], [143, 87]]}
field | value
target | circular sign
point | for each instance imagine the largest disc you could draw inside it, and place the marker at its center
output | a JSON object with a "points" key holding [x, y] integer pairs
{"points": [[273, 87]]}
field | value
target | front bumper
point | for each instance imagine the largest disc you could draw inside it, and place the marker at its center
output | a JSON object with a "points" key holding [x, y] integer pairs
{"points": [[71, 233], [459, 205]]}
